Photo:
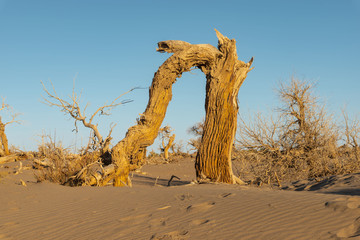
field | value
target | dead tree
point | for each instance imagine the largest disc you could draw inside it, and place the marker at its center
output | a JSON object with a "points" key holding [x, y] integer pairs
{"points": [[223, 81], [73, 108], [165, 135], [307, 125], [4, 148], [224, 75]]}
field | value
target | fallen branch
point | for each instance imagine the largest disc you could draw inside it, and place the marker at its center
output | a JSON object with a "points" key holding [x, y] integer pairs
{"points": [[9, 158], [172, 177], [43, 163]]}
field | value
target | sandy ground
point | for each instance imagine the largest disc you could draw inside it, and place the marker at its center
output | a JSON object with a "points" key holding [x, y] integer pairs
{"points": [[153, 210]]}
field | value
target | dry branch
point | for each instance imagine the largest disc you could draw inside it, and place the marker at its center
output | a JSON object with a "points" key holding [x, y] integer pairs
{"points": [[4, 149], [9, 158], [73, 108]]}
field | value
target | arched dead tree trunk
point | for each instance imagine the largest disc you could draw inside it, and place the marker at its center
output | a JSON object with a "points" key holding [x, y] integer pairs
{"points": [[225, 74], [223, 81], [129, 151]]}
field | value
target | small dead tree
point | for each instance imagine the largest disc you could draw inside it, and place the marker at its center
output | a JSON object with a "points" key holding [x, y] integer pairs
{"points": [[166, 136], [301, 141], [4, 148], [72, 108], [307, 125]]}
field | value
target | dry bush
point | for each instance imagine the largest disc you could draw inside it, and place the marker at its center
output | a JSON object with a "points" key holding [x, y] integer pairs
{"points": [[352, 137], [299, 143], [154, 158], [177, 154], [178, 149], [55, 163], [197, 130]]}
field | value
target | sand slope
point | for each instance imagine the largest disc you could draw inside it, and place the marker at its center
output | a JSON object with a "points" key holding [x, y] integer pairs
{"points": [[152, 210]]}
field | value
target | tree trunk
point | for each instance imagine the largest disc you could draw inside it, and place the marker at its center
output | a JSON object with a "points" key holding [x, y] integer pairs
{"points": [[129, 151], [225, 74], [213, 160], [3, 140], [2, 153], [9, 158], [167, 147]]}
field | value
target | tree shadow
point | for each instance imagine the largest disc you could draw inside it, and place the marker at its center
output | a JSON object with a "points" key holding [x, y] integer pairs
{"points": [[152, 181], [345, 191]]}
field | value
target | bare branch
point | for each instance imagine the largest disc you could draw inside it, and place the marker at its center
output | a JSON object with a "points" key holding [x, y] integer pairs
{"points": [[3, 105], [105, 110], [12, 115], [72, 107]]}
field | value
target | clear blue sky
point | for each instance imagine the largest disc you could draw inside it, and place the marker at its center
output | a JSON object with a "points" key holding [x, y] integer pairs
{"points": [[111, 47]]}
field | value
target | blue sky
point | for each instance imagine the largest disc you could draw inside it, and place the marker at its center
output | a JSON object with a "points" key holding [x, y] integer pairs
{"points": [[111, 47]]}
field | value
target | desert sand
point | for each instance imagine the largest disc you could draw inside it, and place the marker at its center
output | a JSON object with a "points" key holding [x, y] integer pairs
{"points": [[328, 209]]}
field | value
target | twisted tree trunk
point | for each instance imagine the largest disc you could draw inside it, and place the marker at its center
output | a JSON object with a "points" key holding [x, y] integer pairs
{"points": [[129, 150], [213, 160], [224, 74]]}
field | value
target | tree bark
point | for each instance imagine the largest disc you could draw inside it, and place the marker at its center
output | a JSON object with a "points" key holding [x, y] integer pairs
{"points": [[3, 140], [129, 150], [224, 74], [167, 147], [9, 158], [213, 160]]}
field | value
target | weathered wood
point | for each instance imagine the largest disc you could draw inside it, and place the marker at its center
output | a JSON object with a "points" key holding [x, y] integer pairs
{"points": [[167, 147], [9, 158], [43, 163], [224, 78], [185, 56], [224, 74], [3, 140]]}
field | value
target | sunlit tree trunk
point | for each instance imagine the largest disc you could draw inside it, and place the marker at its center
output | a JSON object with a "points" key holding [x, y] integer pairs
{"points": [[4, 149], [224, 78], [224, 74], [168, 146], [185, 56]]}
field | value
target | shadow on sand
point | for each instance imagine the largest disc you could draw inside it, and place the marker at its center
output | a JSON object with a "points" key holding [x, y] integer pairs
{"points": [[151, 181]]}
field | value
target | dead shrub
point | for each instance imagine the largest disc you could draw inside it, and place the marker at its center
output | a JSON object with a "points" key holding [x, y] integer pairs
{"points": [[197, 131], [57, 164], [300, 142]]}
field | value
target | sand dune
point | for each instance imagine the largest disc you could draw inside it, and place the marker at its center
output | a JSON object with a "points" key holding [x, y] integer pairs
{"points": [[153, 210]]}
